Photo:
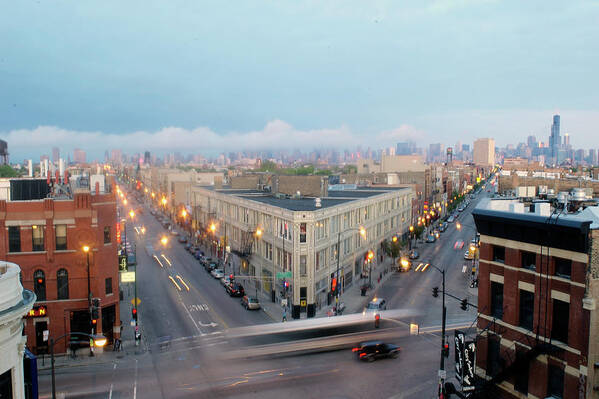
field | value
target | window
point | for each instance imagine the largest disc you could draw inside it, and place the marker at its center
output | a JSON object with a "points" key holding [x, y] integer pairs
{"points": [[302, 232], [561, 317], [527, 303], [496, 300], [529, 259], [107, 238], [62, 284], [38, 238], [555, 381], [522, 371], [563, 267], [14, 239], [108, 283], [493, 358], [61, 237], [303, 268], [499, 254], [39, 285]]}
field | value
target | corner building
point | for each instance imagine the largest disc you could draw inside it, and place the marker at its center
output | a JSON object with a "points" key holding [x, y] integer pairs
{"points": [[301, 237], [45, 237], [538, 290]]}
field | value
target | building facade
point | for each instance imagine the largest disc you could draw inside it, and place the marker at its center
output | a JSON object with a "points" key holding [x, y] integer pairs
{"points": [[537, 293], [15, 302], [297, 240], [46, 237], [483, 153]]}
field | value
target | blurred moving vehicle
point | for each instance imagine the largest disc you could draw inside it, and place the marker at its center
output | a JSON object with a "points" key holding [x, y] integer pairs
{"points": [[414, 254], [372, 350], [430, 238], [250, 302]]}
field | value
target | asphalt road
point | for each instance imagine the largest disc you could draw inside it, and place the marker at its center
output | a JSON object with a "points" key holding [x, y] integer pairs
{"points": [[195, 320]]}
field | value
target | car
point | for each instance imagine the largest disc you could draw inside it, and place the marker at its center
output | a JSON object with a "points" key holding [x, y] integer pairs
{"points": [[250, 302], [437, 234], [461, 209], [430, 238], [468, 255], [450, 219], [414, 254], [443, 227], [218, 273], [235, 289], [182, 239], [376, 305], [372, 350], [174, 233], [226, 280], [189, 247]]}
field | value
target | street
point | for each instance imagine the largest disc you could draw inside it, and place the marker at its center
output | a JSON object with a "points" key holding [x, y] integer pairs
{"points": [[183, 305]]}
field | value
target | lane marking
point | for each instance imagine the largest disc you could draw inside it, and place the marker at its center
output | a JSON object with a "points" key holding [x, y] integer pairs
{"points": [[112, 383], [167, 261], [158, 260], [135, 383]]}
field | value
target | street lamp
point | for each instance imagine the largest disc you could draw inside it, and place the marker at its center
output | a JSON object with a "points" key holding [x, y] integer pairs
{"points": [[164, 240], [411, 235], [89, 293], [97, 340], [362, 231], [258, 235]]}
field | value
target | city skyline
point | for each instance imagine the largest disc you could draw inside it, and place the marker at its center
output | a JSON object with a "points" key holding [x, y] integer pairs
{"points": [[302, 73]]}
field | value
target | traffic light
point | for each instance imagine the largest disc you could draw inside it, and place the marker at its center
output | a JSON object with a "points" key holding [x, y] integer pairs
{"points": [[333, 284], [95, 310], [377, 320], [435, 291], [464, 304], [134, 314], [286, 285], [445, 349]]}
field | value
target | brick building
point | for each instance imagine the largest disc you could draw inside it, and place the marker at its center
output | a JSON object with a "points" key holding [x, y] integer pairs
{"points": [[45, 233], [538, 279]]}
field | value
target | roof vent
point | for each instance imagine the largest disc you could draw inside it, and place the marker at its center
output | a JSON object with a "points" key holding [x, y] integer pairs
{"points": [[578, 194], [562, 197]]}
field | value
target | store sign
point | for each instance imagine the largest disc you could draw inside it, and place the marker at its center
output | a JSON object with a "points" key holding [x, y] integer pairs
{"points": [[38, 311]]}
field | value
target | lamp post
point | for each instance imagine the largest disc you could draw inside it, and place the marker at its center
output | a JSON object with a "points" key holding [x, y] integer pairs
{"points": [[213, 231], [411, 235], [362, 231], [89, 294], [98, 341]]}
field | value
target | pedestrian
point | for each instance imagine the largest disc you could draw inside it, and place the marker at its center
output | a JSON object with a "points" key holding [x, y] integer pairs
{"points": [[284, 314]]}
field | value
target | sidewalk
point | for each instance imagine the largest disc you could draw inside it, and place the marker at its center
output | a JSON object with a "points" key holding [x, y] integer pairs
{"points": [[352, 297]]}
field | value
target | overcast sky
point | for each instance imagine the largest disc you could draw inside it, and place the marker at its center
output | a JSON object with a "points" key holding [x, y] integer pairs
{"points": [[196, 76]]}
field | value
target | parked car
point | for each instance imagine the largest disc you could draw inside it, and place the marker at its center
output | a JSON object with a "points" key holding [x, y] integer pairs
{"points": [[376, 305], [372, 350], [450, 219], [174, 232], [404, 264], [182, 239], [188, 247], [217, 273], [414, 254], [225, 281], [250, 302], [468, 255], [443, 227], [430, 238], [436, 233], [235, 289]]}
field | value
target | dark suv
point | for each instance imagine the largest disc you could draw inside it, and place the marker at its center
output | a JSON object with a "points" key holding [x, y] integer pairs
{"points": [[372, 350], [235, 289]]}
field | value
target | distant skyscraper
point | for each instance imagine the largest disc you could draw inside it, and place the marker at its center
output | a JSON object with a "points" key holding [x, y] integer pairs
{"points": [[147, 158], [466, 147], [79, 155], [531, 141], [435, 152], [555, 140], [566, 140], [483, 152], [55, 154]]}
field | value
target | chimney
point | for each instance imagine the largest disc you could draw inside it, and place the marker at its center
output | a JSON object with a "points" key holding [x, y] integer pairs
{"points": [[97, 187]]}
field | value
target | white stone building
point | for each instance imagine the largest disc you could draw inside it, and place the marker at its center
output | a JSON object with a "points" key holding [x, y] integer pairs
{"points": [[15, 302], [298, 240]]}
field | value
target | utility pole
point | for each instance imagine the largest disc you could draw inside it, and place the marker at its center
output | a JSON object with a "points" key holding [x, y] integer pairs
{"points": [[442, 372]]}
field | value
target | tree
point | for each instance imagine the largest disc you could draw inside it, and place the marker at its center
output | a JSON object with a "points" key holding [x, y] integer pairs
{"points": [[7, 171], [267, 166], [418, 230], [393, 249]]}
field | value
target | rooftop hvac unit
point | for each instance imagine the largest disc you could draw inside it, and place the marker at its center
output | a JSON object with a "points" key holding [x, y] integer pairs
{"points": [[562, 197], [578, 194]]}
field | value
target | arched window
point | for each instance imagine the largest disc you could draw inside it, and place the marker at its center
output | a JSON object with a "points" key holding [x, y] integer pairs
{"points": [[39, 285], [62, 284]]}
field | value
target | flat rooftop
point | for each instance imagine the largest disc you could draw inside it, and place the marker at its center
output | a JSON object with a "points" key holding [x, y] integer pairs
{"points": [[307, 203]]}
